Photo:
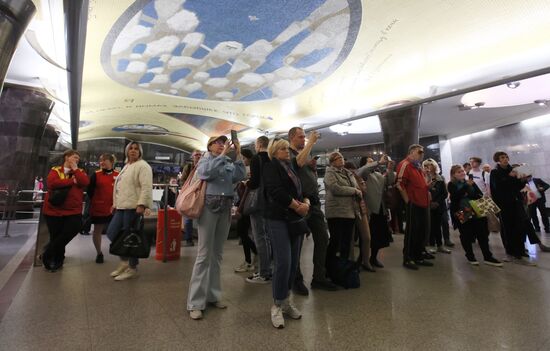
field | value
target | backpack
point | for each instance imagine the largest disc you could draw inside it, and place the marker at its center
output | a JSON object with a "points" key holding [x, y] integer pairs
{"points": [[343, 272]]}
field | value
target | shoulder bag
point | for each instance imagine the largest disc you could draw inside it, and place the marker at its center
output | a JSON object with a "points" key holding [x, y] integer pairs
{"points": [[484, 206], [190, 201], [296, 224], [58, 196], [131, 242]]}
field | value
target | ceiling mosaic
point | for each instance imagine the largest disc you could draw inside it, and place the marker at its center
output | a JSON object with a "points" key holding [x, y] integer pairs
{"points": [[210, 126], [198, 68], [231, 50], [149, 130]]}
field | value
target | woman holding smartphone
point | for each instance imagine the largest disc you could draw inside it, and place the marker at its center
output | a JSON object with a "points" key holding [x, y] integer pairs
{"points": [[220, 174]]}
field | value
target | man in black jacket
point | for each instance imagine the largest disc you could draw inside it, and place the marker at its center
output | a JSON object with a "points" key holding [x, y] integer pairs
{"points": [[538, 186], [506, 192], [263, 272]]}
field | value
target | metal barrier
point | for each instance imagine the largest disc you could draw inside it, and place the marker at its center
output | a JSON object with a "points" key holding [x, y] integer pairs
{"points": [[10, 200], [5, 201]]}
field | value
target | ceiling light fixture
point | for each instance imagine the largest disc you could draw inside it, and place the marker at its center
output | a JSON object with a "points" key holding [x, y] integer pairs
{"points": [[513, 85], [463, 107], [365, 125]]}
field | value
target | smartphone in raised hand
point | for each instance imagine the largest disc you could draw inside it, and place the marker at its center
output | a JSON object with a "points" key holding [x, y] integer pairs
{"points": [[234, 136]]}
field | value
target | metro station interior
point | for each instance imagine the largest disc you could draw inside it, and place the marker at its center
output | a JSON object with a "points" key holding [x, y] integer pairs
{"points": [[361, 78]]}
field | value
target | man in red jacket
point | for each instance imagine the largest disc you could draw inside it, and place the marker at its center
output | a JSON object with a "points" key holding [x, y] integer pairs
{"points": [[413, 187]]}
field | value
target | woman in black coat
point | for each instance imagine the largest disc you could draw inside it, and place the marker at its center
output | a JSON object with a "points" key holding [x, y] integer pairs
{"points": [[285, 224], [438, 192], [462, 191]]}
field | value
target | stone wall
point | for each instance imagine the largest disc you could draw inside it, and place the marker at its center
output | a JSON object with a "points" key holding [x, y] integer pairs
{"points": [[24, 138]]}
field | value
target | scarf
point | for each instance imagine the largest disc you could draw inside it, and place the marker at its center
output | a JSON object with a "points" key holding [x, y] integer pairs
{"points": [[292, 175]]}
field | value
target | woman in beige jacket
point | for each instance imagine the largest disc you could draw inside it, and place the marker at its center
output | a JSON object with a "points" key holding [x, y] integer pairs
{"points": [[341, 206], [132, 195]]}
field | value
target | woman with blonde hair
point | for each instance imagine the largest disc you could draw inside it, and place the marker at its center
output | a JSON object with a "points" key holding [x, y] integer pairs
{"points": [[438, 192], [133, 194], [100, 192], [285, 225]]}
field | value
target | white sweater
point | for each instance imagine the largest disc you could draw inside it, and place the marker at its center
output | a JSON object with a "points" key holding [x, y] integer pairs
{"points": [[134, 186]]}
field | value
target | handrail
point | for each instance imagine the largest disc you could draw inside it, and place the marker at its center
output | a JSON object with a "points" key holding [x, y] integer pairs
{"points": [[12, 199], [15, 198]]}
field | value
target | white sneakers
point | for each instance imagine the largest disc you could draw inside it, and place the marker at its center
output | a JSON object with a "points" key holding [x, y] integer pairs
{"points": [[123, 266], [277, 317], [287, 309], [256, 278], [195, 314], [129, 273], [245, 267], [290, 310]]}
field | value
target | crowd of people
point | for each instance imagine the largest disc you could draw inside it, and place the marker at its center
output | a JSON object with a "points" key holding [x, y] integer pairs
{"points": [[363, 205]]}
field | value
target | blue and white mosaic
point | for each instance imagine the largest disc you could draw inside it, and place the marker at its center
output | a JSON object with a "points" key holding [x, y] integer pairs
{"points": [[232, 50]]}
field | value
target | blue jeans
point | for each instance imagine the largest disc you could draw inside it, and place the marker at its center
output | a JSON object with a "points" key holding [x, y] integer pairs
{"points": [[262, 244], [188, 225], [122, 220], [205, 284], [286, 254]]}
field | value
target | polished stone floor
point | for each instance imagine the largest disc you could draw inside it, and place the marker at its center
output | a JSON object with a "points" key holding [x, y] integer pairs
{"points": [[452, 306]]}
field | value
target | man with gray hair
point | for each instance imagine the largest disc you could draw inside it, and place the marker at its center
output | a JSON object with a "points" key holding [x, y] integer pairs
{"points": [[414, 189]]}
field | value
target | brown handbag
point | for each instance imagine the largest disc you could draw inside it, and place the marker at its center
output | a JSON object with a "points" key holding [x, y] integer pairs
{"points": [[190, 201]]}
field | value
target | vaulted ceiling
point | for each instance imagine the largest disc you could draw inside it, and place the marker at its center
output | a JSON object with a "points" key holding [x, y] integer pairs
{"points": [[175, 72]]}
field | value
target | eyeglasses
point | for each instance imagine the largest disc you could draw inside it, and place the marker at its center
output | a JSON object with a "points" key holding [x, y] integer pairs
{"points": [[421, 151], [219, 142]]}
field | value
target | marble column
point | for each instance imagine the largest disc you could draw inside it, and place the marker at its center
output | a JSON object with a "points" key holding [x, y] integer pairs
{"points": [[400, 129], [23, 117], [15, 15], [47, 144]]}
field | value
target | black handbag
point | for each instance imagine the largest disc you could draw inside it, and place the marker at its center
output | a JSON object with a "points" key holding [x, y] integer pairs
{"points": [[343, 272], [131, 242], [58, 196], [297, 225], [252, 202]]}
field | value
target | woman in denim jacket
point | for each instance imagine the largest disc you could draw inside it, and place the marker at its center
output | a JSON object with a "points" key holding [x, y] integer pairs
{"points": [[220, 174]]}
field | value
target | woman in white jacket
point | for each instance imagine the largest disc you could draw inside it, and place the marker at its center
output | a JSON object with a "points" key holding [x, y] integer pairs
{"points": [[132, 195]]}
